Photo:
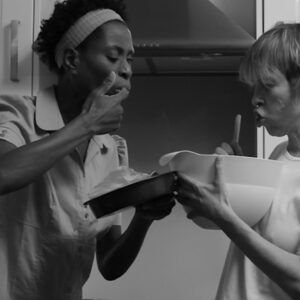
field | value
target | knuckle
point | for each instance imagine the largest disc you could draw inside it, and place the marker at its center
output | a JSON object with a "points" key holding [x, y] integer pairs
{"points": [[121, 109]]}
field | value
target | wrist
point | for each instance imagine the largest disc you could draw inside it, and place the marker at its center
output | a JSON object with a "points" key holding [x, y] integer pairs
{"points": [[84, 125], [139, 217], [228, 220]]}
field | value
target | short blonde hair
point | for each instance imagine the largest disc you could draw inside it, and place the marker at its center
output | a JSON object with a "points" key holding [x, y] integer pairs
{"points": [[276, 50]]}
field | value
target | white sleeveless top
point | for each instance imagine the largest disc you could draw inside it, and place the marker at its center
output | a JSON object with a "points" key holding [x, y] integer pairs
{"points": [[241, 279]]}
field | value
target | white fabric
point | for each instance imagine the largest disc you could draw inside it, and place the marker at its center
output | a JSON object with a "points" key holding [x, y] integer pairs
{"points": [[241, 279], [81, 29], [47, 116], [47, 235]]}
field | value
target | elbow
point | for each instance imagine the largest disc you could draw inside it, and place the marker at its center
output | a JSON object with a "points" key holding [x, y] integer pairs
{"points": [[6, 184], [294, 293], [110, 277], [110, 269], [292, 289], [109, 273]]}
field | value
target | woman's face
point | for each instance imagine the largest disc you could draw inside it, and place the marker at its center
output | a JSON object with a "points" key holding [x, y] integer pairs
{"points": [[276, 106], [108, 48]]}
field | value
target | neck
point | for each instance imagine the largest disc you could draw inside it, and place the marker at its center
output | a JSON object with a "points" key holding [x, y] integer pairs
{"points": [[294, 143], [70, 98]]}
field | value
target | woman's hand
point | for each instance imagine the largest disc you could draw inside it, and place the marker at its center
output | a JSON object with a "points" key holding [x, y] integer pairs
{"points": [[207, 200], [232, 148], [103, 113], [156, 209]]}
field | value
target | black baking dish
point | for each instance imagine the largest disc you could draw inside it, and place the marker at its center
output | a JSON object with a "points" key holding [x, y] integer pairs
{"points": [[133, 194]]}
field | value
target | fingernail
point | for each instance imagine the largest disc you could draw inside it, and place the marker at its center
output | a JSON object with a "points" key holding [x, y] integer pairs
{"points": [[111, 77], [154, 173]]}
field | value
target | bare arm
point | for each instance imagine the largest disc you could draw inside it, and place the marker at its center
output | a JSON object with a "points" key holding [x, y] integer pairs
{"points": [[116, 252], [210, 201], [279, 265], [20, 166]]}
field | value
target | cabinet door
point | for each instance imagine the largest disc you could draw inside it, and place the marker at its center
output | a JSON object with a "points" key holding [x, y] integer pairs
{"points": [[16, 37], [280, 11], [269, 12]]}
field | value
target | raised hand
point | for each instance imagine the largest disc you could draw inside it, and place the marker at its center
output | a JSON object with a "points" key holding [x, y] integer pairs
{"points": [[103, 113], [233, 147]]}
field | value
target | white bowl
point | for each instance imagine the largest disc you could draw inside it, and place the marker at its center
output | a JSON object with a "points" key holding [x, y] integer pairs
{"points": [[250, 182]]}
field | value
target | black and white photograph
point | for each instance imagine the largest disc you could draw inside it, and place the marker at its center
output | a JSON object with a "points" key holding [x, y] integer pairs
{"points": [[149, 150]]}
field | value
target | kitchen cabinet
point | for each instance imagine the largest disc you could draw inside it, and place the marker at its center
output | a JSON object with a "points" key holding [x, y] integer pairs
{"points": [[21, 72], [16, 37], [269, 12]]}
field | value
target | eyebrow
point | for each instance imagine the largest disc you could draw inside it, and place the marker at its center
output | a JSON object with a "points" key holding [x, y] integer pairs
{"points": [[120, 49]]}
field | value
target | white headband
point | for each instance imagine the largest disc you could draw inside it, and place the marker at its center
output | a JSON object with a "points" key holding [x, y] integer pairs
{"points": [[81, 29]]}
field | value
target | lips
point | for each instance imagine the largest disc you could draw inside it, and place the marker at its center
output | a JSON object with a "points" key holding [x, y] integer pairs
{"points": [[116, 90], [260, 120]]}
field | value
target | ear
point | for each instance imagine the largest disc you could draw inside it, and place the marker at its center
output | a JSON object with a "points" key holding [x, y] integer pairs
{"points": [[71, 60], [297, 83], [295, 86], [295, 92]]}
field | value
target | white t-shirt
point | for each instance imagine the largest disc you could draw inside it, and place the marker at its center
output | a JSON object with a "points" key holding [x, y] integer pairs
{"points": [[241, 279]]}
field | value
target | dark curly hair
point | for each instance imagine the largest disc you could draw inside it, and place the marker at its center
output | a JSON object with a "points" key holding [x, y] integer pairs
{"points": [[65, 14]]}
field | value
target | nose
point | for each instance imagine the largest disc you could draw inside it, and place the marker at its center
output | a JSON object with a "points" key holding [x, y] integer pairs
{"points": [[257, 102], [257, 99], [125, 70]]}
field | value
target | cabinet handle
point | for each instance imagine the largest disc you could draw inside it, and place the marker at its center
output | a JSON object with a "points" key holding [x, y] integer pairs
{"points": [[14, 60]]}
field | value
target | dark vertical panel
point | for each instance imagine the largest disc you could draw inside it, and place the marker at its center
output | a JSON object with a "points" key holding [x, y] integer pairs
{"points": [[165, 114]]}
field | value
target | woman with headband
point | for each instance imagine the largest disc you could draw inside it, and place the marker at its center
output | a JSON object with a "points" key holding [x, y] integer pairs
{"points": [[57, 146]]}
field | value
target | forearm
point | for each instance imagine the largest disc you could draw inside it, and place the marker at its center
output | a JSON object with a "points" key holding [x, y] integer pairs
{"points": [[279, 265], [115, 262], [23, 165]]}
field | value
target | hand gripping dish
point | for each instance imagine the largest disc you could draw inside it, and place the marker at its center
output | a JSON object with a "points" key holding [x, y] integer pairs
{"points": [[133, 194], [250, 182]]}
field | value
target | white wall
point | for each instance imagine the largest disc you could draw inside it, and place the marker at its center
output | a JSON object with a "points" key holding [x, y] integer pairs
{"points": [[178, 261]]}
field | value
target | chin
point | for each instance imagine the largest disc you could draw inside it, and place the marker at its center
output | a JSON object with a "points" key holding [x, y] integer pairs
{"points": [[275, 132]]}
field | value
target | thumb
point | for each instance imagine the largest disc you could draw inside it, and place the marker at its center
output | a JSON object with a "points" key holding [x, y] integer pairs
{"points": [[107, 83], [219, 173], [237, 148], [102, 90]]}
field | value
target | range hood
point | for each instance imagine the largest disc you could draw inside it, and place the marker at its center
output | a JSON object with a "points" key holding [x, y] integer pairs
{"points": [[187, 36]]}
